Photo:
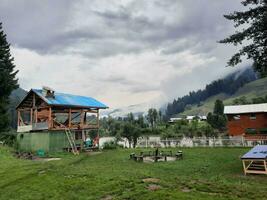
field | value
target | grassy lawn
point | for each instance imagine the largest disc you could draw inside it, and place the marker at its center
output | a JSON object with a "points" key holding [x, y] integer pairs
{"points": [[205, 173]]}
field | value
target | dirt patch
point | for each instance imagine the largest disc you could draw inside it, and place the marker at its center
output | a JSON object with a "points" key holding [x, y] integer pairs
{"points": [[150, 180], [46, 159], [92, 153], [108, 197], [153, 187]]}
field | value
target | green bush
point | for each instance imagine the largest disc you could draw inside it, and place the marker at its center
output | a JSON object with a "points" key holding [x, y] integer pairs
{"points": [[8, 138], [110, 145], [263, 130], [251, 131]]}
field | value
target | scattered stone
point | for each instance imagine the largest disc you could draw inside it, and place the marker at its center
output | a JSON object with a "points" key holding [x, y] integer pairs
{"points": [[41, 172], [150, 180], [186, 189], [153, 187]]}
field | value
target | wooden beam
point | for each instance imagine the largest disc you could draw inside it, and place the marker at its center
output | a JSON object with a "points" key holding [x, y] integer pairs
{"points": [[69, 118], [31, 115], [50, 118], [98, 118], [18, 115], [82, 118], [33, 101]]}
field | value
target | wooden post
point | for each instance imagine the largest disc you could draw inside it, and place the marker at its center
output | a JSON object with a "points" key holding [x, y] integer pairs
{"points": [[31, 115], [98, 118], [69, 118], [98, 128], [50, 118], [82, 118], [18, 124], [244, 167], [36, 115], [265, 166]]}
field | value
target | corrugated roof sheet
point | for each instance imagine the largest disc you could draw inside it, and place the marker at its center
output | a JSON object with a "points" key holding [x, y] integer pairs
{"points": [[62, 99], [258, 152], [251, 108]]}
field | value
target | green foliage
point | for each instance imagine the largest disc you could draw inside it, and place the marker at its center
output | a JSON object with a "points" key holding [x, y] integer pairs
{"points": [[244, 100], [253, 33], [228, 86], [241, 101], [217, 119], [194, 128], [251, 131], [152, 117], [218, 107], [110, 145], [263, 130], [131, 132], [8, 81], [8, 138]]}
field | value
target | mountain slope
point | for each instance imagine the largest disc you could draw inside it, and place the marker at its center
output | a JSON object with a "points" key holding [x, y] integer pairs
{"points": [[250, 90], [228, 85], [14, 99]]}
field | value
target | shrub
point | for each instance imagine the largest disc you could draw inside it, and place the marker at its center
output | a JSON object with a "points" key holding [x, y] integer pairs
{"points": [[263, 130], [110, 145], [8, 138], [251, 131]]}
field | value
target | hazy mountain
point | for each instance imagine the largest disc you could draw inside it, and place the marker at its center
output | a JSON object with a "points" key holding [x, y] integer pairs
{"points": [[15, 97]]}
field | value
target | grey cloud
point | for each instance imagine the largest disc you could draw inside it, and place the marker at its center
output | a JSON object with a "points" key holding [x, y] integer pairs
{"points": [[45, 29]]}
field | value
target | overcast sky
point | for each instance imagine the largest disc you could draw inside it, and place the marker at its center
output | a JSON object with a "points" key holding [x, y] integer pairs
{"points": [[120, 52]]}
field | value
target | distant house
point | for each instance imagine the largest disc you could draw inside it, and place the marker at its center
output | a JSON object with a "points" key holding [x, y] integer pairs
{"points": [[190, 118], [53, 121], [247, 120]]}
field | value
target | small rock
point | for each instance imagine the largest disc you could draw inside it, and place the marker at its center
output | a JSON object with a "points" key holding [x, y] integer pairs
{"points": [[153, 187]]}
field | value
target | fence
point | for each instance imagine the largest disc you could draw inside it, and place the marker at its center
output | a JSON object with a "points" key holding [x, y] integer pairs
{"points": [[198, 142]]}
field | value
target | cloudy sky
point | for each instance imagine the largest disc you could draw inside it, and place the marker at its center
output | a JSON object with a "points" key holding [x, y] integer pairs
{"points": [[121, 52]]}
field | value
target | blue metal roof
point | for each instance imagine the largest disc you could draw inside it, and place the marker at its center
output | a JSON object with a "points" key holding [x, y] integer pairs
{"points": [[258, 152], [61, 99]]}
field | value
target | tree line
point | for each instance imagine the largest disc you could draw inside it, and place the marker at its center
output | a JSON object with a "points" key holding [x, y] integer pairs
{"points": [[228, 85]]}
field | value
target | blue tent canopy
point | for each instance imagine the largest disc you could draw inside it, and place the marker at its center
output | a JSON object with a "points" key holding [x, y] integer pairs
{"points": [[258, 152], [61, 99]]}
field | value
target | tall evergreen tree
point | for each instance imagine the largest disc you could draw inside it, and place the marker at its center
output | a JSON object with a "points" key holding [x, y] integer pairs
{"points": [[8, 80], [218, 107], [253, 34]]}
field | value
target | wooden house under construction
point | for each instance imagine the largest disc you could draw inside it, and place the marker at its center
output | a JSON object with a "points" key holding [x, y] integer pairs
{"points": [[55, 121]]}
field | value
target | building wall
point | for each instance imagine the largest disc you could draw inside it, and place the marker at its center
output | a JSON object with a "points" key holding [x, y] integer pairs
{"points": [[53, 141], [238, 127]]}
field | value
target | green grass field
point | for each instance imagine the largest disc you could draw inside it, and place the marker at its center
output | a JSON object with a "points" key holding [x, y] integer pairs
{"points": [[205, 173]]}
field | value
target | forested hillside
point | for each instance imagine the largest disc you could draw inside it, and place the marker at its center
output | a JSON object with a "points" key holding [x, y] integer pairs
{"points": [[15, 97], [227, 86]]}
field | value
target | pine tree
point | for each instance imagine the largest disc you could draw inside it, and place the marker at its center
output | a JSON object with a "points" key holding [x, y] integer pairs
{"points": [[253, 34], [8, 80], [218, 107]]}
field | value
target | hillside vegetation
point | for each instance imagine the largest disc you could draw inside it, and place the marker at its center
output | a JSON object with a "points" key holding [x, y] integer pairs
{"points": [[257, 88], [228, 85]]}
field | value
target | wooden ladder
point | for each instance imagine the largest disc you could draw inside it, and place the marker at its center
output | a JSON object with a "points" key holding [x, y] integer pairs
{"points": [[71, 141]]}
